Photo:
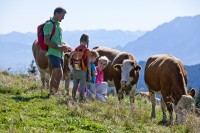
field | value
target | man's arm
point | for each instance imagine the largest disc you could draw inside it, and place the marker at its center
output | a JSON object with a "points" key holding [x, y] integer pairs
{"points": [[48, 42]]}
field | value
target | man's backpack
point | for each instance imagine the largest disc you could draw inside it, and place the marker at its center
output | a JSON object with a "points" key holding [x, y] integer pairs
{"points": [[78, 59], [40, 35]]}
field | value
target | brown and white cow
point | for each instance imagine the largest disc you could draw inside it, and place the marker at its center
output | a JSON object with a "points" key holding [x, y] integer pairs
{"points": [[166, 75], [45, 68], [123, 70]]}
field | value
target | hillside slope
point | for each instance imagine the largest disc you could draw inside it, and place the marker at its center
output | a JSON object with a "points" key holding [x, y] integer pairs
{"points": [[25, 108], [180, 38]]}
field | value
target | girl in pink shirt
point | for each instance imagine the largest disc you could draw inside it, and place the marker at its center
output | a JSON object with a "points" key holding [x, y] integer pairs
{"points": [[101, 86]]}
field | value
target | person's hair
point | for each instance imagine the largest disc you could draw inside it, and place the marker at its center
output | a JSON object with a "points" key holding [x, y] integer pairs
{"points": [[104, 58], [59, 10], [94, 53], [85, 38]]}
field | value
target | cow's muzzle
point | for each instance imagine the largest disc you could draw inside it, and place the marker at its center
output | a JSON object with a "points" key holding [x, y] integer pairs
{"points": [[123, 84]]}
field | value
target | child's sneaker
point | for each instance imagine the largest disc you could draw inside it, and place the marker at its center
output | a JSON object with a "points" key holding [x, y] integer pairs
{"points": [[106, 97], [101, 98]]}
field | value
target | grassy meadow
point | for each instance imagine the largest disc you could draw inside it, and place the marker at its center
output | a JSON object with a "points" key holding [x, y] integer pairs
{"points": [[25, 108]]}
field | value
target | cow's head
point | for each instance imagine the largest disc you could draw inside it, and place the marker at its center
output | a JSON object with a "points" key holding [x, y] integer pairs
{"points": [[66, 69], [185, 104], [129, 73]]}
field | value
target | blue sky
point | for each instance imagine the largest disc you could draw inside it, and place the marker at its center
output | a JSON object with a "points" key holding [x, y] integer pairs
{"points": [[25, 15]]}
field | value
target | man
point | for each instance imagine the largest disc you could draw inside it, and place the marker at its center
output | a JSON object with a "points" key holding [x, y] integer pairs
{"points": [[56, 48]]}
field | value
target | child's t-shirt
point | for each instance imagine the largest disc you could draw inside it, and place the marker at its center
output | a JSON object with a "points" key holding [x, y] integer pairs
{"points": [[100, 76], [93, 68]]}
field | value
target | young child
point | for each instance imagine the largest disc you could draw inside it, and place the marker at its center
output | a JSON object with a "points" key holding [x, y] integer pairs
{"points": [[91, 83], [101, 86], [81, 64]]}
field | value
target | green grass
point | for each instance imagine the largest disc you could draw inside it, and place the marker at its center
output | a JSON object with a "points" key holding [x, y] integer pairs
{"points": [[24, 108]]}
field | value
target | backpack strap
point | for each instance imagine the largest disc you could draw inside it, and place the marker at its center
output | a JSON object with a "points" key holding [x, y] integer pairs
{"points": [[83, 51], [54, 28]]}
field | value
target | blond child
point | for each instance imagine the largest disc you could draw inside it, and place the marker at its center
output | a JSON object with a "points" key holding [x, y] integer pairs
{"points": [[91, 83]]}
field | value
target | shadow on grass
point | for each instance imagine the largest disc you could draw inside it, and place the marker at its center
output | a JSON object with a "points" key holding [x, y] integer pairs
{"points": [[163, 123], [66, 100], [26, 99]]}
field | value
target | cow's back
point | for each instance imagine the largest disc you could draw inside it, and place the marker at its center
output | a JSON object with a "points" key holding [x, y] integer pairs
{"points": [[110, 54], [165, 71], [39, 55]]}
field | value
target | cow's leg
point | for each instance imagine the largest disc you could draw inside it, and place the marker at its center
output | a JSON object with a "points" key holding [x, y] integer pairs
{"points": [[164, 110], [47, 79], [120, 95], [153, 102], [168, 102], [119, 90], [132, 95], [42, 77], [67, 83], [170, 109]]}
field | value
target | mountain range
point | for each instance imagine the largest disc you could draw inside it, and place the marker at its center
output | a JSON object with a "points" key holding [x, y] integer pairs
{"points": [[16, 48], [179, 37]]}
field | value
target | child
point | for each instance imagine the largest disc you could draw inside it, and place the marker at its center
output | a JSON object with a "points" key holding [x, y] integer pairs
{"points": [[91, 83], [101, 86], [81, 64]]}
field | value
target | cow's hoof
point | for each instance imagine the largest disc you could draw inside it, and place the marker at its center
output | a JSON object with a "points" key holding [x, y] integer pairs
{"points": [[164, 122]]}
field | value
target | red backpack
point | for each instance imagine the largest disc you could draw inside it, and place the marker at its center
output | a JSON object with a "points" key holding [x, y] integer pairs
{"points": [[40, 35]]}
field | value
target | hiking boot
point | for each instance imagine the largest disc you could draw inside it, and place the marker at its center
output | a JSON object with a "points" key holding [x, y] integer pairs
{"points": [[82, 99]]}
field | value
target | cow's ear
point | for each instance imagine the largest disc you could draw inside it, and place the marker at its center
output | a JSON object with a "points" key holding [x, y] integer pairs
{"points": [[192, 92], [138, 68], [117, 67]]}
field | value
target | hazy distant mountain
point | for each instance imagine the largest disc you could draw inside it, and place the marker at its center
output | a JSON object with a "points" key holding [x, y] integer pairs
{"points": [[102, 37], [16, 48], [18, 37], [180, 37], [15, 55]]}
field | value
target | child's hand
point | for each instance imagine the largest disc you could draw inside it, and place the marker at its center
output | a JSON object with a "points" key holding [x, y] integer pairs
{"points": [[90, 78], [94, 73]]}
